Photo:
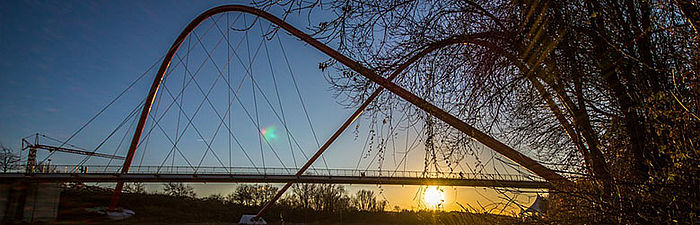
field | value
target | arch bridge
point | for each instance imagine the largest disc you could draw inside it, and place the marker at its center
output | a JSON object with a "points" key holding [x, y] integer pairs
{"points": [[303, 174]]}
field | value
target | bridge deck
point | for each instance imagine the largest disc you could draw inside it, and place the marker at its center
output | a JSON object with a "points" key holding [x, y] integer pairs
{"points": [[241, 178], [68, 173]]}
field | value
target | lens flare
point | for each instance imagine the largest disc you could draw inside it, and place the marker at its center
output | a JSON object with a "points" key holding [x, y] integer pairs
{"points": [[269, 133]]}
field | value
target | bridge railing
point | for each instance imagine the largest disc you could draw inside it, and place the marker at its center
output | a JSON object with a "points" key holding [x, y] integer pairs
{"points": [[274, 171]]}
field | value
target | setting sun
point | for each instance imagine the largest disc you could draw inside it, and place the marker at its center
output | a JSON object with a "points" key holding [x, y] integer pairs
{"points": [[434, 197]]}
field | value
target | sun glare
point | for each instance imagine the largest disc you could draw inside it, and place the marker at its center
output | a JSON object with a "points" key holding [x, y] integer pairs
{"points": [[434, 197]]}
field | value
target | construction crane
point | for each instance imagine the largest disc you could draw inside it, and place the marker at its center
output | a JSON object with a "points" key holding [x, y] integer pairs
{"points": [[33, 146]]}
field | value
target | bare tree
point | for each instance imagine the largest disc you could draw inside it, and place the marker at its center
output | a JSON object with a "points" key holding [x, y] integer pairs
{"points": [[303, 194], [252, 195], [263, 194], [136, 188], [179, 190], [365, 200], [330, 197], [607, 89], [8, 159]]}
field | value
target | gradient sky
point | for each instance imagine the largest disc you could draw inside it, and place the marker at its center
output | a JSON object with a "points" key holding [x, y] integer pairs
{"points": [[63, 61]]}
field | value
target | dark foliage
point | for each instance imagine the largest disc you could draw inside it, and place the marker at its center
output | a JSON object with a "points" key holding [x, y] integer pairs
{"points": [[605, 92]]}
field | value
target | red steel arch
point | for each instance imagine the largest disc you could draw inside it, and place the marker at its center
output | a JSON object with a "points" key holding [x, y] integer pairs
{"points": [[483, 138]]}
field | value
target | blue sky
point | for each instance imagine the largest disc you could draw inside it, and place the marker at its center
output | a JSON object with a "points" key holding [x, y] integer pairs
{"points": [[63, 61]]}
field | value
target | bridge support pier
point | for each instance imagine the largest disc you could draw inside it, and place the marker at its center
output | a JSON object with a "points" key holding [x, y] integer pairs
{"points": [[24, 202]]}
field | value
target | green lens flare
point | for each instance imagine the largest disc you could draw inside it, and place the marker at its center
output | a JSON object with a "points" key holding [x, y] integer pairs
{"points": [[269, 133]]}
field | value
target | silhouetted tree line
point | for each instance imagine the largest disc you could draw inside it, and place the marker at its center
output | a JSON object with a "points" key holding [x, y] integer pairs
{"points": [[178, 203], [317, 197], [175, 208], [179, 190], [603, 90]]}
